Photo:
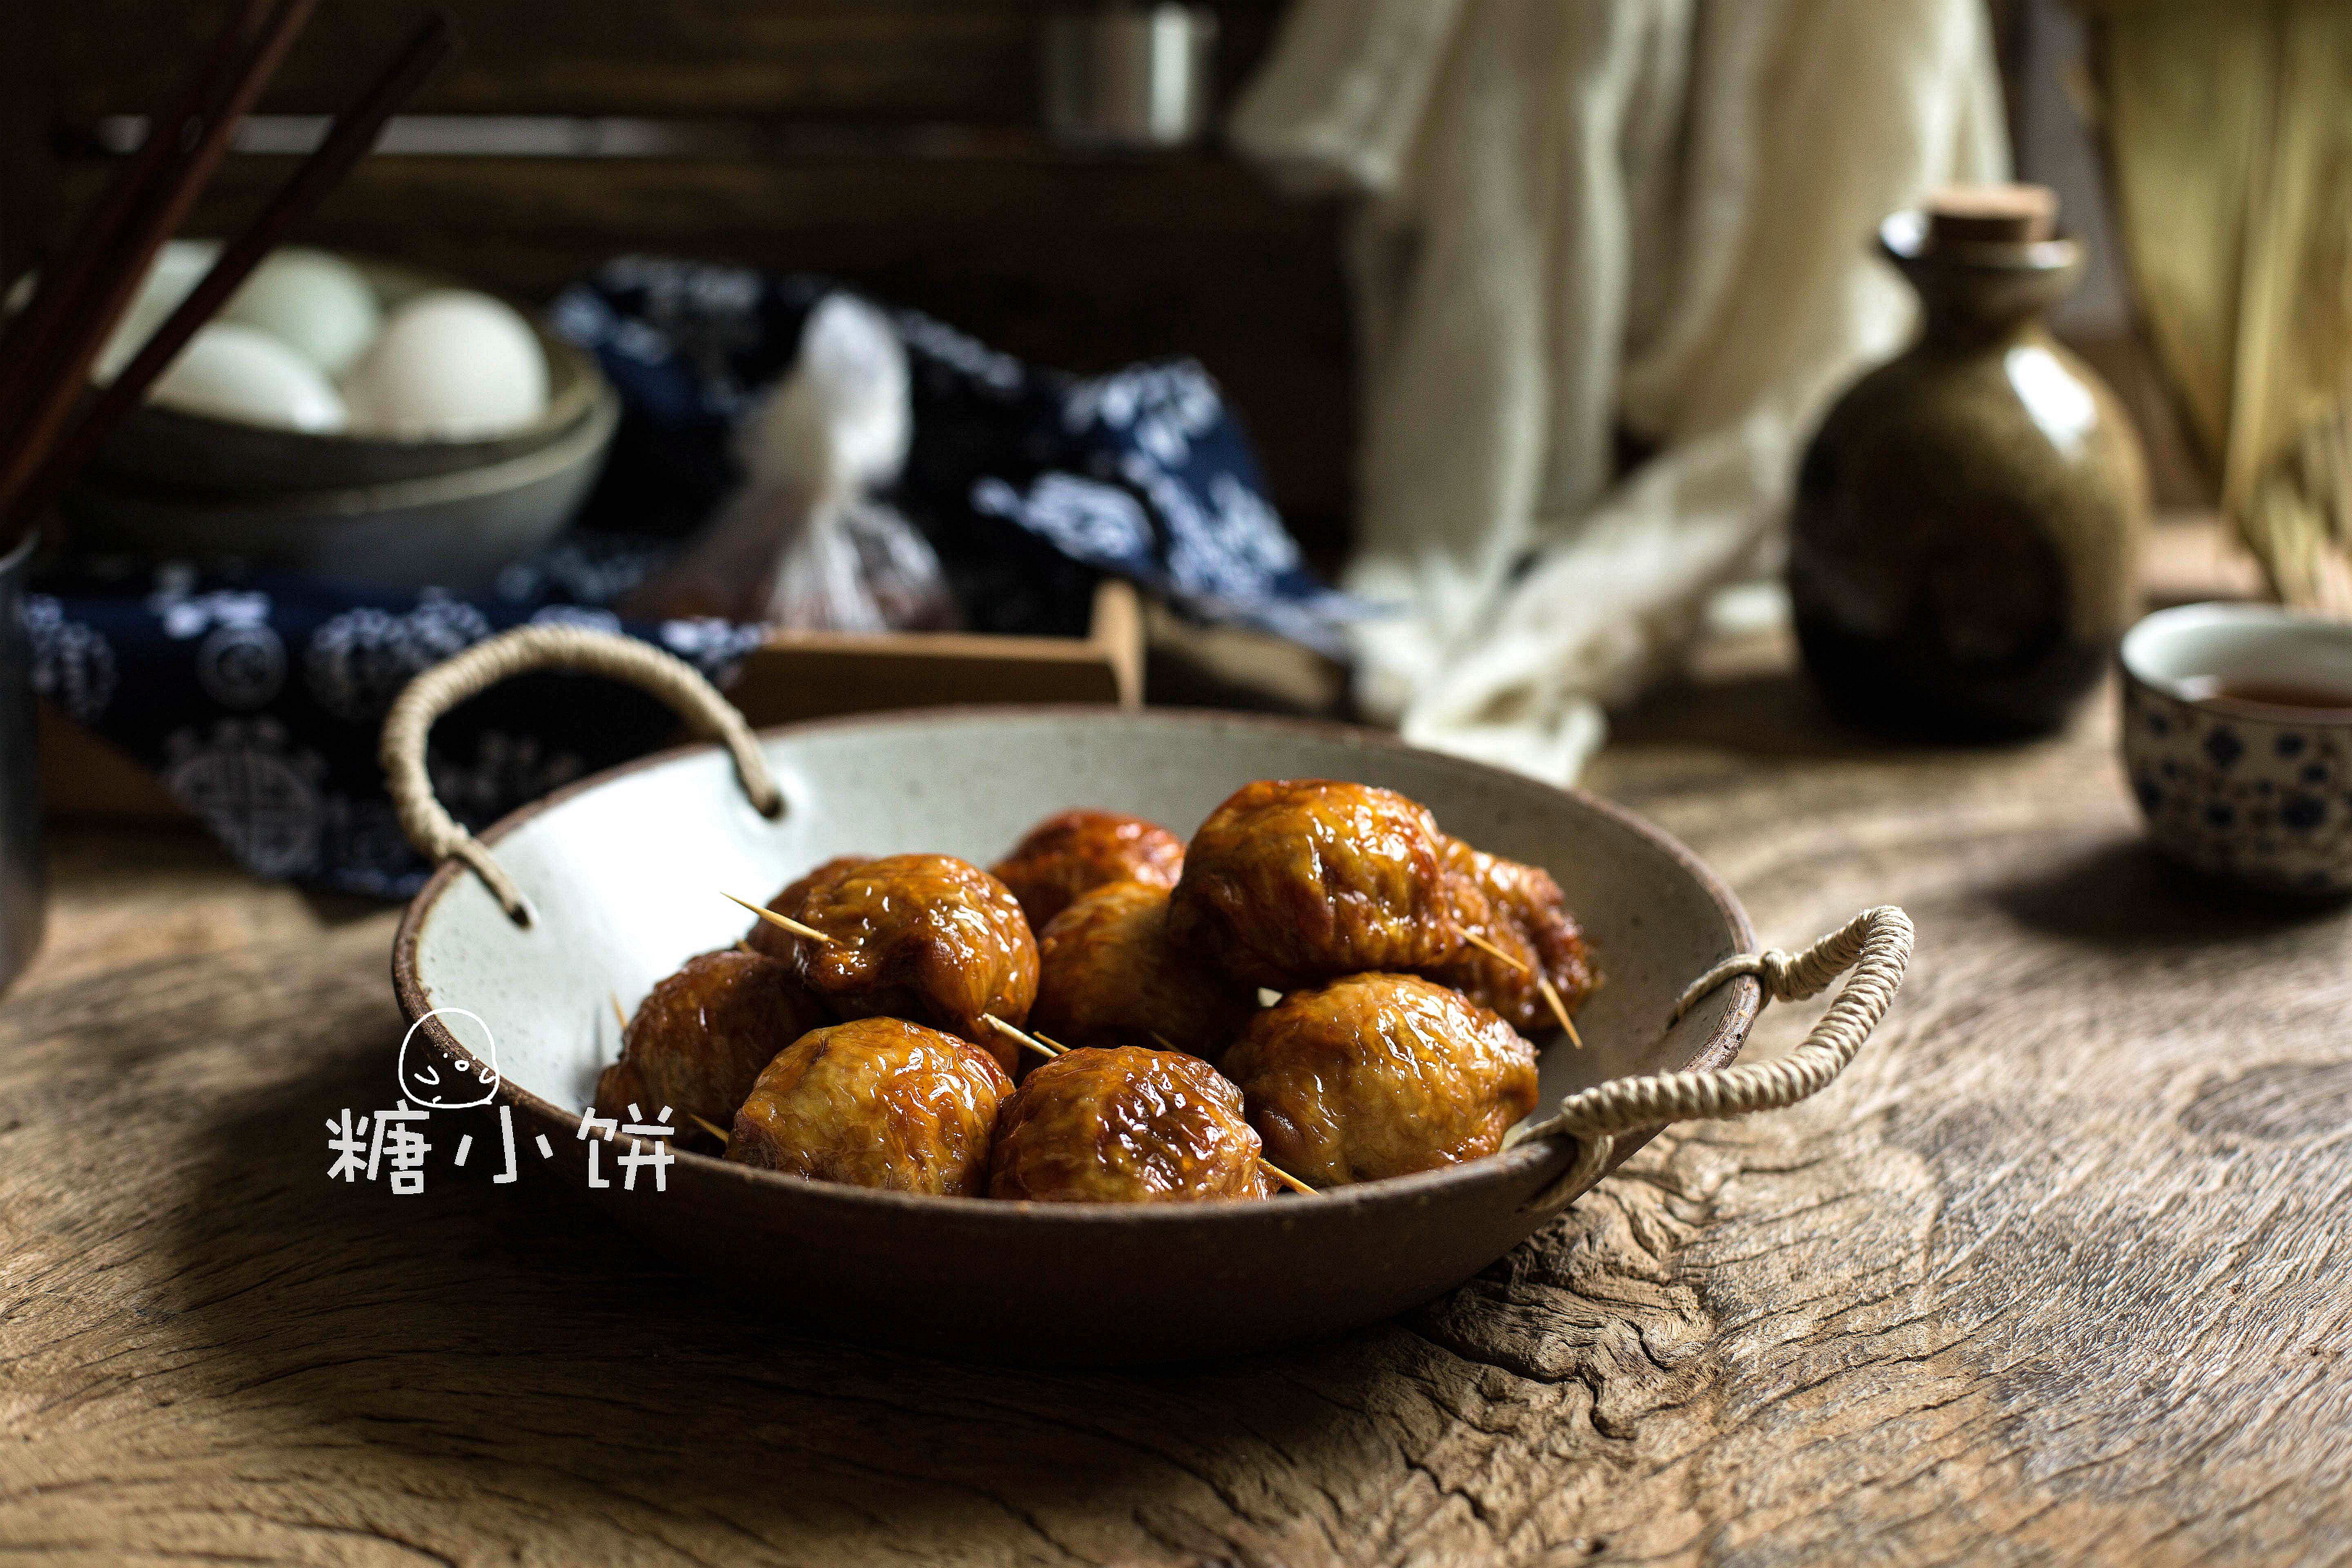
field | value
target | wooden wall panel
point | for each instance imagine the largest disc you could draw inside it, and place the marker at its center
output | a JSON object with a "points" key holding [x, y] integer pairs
{"points": [[969, 60], [28, 174]]}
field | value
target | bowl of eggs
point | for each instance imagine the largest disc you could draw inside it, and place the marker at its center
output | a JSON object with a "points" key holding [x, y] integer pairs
{"points": [[346, 416]]}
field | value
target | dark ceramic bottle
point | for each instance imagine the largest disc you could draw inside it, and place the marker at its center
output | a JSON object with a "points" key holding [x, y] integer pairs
{"points": [[1965, 541]]}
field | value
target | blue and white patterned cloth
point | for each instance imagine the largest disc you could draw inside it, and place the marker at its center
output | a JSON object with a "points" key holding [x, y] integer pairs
{"points": [[257, 697], [1028, 483]]}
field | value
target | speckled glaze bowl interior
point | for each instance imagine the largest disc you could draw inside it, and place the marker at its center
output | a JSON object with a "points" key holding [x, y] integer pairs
{"points": [[2254, 792], [626, 872]]}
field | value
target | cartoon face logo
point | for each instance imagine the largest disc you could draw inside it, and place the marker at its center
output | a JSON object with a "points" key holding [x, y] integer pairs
{"points": [[429, 1078]]}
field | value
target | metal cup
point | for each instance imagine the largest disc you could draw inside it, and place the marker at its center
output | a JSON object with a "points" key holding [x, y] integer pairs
{"points": [[1130, 75]]}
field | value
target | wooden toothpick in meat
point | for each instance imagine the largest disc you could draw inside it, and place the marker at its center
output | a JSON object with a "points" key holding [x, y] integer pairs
{"points": [[1560, 1010], [781, 923], [1482, 945], [1543, 983], [1286, 1178], [1010, 1033]]}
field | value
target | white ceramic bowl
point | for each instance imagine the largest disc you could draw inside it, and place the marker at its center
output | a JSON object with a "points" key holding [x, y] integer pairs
{"points": [[2252, 791], [452, 531], [625, 871]]}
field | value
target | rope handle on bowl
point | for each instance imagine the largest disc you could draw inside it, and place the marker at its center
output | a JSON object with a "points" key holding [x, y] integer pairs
{"points": [[433, 831], [1875, 945]]}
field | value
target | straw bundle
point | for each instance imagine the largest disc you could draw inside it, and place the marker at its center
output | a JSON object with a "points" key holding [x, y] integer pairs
{"points": [[2230, 130]]}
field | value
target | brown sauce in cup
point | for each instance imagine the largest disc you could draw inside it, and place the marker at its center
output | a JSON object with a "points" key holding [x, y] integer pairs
{"points": [[2309, 697]]}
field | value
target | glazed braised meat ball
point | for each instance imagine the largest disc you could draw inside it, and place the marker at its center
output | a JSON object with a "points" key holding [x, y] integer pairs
{"points": [[875, 1103], [1125, 1126], [1078, 851], [1107, 975], [925, 937], [1292, 881], [777, 942], [1379, 1074], [1518, 908], [701, 1037]]}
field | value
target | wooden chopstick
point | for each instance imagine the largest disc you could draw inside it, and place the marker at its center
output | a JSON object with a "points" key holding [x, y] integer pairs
{"points": [[353, 136], [60, 381], [30, 337]]}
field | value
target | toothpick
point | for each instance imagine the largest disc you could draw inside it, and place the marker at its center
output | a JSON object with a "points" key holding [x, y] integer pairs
{"points": [[1286, 1179], [718, 1132], [1475, 940], [621, 1017], [1164, 1043], [1052, 1041], [1002, 1028], [779, 922], [1560, 1010], [1543, 983]]}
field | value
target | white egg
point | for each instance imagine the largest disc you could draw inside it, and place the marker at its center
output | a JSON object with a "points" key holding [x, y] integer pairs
{"points": [[316, 304], [178, 268], [449, 365], [235, 373]]}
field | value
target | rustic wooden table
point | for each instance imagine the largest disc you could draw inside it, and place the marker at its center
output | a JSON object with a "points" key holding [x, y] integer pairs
{"points": [[2053, 1274]]}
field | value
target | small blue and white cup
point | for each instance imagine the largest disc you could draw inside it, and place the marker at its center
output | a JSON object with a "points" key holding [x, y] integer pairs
{"points": [[2256, 790]]}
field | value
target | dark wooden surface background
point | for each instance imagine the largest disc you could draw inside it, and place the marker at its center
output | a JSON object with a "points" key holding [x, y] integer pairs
{"points": [[895, 143], [2054, 1273]]}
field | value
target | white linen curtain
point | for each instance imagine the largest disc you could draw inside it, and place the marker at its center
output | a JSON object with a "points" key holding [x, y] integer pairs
{"points": [[1583, 216]]}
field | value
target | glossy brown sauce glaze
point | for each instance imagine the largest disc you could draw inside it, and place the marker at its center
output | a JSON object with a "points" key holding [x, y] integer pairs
{"points": [[701, 1037], [1075, 852], [1126, 1126], [774, 941], [875, 1103], [1381, 1075], [1109, 975], [1518, 908], [928, 938], [1295, 880]]}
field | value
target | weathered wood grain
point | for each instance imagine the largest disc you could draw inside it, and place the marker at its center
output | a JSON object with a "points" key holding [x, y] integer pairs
{"points": [[2053, 1275]]}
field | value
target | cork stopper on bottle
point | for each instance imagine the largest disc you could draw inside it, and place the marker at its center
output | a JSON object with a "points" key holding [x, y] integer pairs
{"points": [[1977, 215]]}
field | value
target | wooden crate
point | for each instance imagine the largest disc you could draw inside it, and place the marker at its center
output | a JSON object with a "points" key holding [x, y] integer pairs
{"points": [[796, 674], [815, 675]]}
